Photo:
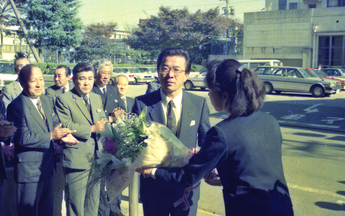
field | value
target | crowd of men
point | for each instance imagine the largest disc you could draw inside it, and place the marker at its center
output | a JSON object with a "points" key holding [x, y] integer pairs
{"points": [[40, 122]]}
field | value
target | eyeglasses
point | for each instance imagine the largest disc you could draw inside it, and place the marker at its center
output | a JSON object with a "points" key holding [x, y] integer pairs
{"points": [[177, 72]]}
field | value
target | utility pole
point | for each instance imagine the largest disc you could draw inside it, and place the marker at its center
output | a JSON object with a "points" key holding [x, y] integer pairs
{"points": [[38, 59]]}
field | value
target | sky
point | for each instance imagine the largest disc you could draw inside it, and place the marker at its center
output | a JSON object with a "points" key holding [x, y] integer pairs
{"points": [[128, 12]]}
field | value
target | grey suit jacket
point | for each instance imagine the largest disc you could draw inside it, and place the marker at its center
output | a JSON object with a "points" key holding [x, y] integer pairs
{"points": [[11, 91], [74, 115], [34, 151], [130, 103], [54, 91]]}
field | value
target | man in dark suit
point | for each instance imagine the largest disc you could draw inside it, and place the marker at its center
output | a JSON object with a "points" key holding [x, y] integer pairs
{"points": [[109, 94], [81, 110], [187, 115], [13, 89], [122, 85], [37, 127], [6, 129], [62, 76]]}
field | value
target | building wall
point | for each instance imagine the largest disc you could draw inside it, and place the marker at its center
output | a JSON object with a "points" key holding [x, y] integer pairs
{"points": [[290, 35]]}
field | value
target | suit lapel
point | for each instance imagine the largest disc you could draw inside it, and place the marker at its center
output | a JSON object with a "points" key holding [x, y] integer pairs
{"points": [[186, 115], [34, 112], [81, 105], [155, 111], [48, 114]]}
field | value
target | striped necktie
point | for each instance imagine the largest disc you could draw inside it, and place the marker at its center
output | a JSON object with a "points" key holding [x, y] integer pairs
{"points": [[40, 109]]}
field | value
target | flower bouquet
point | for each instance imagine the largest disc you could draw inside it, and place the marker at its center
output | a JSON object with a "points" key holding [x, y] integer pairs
{"points": [[133, 142]]}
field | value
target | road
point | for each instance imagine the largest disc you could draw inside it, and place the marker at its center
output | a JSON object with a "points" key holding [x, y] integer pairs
{"points": [[313, 152]]}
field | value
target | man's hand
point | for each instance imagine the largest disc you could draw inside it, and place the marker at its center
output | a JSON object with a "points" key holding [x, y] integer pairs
{"points": [[145, 172], [6, 128], [212, 178], [69, 139], [99, 126], [59, 132]]}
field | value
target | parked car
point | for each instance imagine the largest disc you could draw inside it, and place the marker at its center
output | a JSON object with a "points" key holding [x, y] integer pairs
{"points": [[324, 75], [7, 74], [134, 75], [337, 72], [296, 79], [196, 81]]}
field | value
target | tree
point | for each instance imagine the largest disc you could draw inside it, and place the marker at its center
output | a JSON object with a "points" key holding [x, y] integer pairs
{"points": [[180, 28], [97, 42], [52, 24]]}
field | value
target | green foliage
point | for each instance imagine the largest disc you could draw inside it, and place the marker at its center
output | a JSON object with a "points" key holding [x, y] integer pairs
{"points": [[52, 24], [196, 68], [96, 43], [180, 28], [42, 66]]}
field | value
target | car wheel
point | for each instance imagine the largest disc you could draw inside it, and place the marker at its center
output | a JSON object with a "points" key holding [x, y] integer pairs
{"points": [[278, 92], [188, 85], [268, 88], [318, 91]]}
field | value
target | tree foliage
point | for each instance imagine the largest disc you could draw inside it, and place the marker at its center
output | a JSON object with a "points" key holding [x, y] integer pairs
{"points": [[97, 42], [52, 24], [180, 28]]}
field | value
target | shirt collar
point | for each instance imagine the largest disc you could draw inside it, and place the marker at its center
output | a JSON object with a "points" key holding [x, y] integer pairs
{"points": [[177, 100], [105, 87]]}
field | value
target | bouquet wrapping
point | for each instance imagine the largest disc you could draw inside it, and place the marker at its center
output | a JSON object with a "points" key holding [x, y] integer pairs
{"points": [[133, 142]]}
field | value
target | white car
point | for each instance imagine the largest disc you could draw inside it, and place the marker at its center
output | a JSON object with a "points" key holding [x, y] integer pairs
{"points": [[196, 81]]}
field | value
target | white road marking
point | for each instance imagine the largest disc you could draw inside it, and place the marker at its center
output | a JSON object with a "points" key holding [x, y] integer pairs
{"points": [[313, 190], [312, 109]]}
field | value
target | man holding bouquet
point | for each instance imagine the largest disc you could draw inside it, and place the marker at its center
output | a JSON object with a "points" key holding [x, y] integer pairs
{"points": [[187, 116], [81, 110]]}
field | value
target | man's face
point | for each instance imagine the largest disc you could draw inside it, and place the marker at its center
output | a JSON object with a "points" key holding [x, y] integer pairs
{"points": [[19, 64], [103, 76], [83, 82], [122, 85], [34, 85], [172, 74], [60, 77]]}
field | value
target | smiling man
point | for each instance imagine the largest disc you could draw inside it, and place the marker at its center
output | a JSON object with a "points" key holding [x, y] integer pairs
{"points": [[187, 116], [81, 110], [37, 128]]}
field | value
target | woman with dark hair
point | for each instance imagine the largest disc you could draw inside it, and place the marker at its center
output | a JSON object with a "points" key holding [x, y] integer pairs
{"points": [[245, 148]]}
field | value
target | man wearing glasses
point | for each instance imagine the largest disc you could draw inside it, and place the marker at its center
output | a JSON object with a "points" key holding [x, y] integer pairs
{"points": [[187, 116]]}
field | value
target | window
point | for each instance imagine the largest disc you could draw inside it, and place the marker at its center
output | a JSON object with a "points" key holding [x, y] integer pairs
{"points": [[312, 6], [335, 3], [293, 6], [331, 51], [282, 4]]}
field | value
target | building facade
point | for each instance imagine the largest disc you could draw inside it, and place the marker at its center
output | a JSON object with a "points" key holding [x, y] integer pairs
{"points": [[297, 32]]}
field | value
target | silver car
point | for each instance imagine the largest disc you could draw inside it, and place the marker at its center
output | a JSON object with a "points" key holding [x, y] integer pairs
{"points": [[296, 79], [196, 81]]}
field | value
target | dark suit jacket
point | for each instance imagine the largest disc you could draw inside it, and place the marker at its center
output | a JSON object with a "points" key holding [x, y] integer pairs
{"points": [[54, 91], [3, 174], [34, 151], [194, 125], [111, 100], [74, 115], [247, 154]]}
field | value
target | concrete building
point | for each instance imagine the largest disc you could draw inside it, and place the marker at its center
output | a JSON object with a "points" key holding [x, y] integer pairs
{"points": [[12, 44], [297, 32]]}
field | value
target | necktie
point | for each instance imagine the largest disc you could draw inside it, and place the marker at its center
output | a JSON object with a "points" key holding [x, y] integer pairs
{"points": [[125, 103], [103, 91], [87, 103], [40, 109], [171, 118], [63, 90]]}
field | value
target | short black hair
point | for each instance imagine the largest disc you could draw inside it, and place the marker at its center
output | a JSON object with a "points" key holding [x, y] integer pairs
{"points": [[25, 72], [174, 52], [83, 67], [19, 58], [245, 89], [67, 69]]}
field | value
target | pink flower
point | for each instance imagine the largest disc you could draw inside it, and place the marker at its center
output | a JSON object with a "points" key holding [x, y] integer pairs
{"points": [[109, 146]]}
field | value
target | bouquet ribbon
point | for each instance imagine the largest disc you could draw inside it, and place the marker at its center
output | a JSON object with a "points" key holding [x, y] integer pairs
{"points": [[186, 194]]}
